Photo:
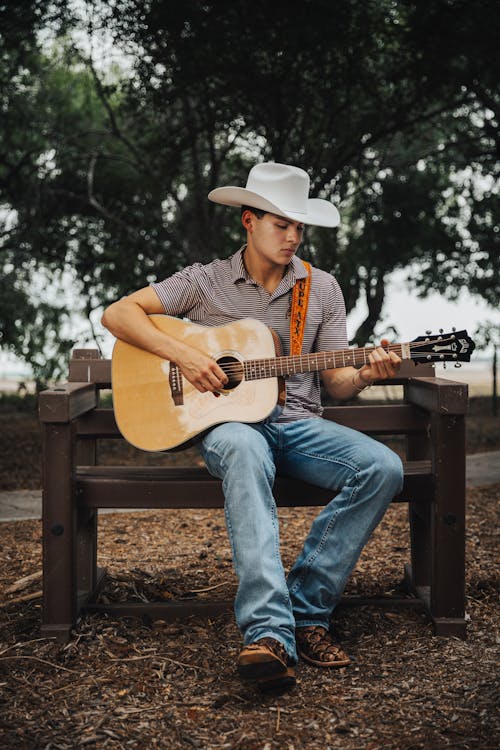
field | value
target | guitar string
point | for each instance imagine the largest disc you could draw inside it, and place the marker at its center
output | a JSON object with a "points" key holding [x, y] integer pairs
{"points": [[261, 363], [236, 367]]}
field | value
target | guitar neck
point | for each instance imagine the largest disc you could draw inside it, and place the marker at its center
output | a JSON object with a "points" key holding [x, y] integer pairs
{"points": [[256, 369]]}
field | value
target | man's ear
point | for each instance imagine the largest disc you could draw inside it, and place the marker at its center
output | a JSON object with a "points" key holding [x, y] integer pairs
{"points": [[247, 220]]}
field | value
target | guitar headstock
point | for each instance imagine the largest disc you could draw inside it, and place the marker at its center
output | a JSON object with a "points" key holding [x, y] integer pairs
{"points": [[456, 346]]}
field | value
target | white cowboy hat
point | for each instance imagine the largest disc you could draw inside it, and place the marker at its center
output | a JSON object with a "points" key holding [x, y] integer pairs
{"points": [[279, 189]]}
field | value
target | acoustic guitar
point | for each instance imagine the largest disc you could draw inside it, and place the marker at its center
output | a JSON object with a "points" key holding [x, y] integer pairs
{"points": [[157, 409]]}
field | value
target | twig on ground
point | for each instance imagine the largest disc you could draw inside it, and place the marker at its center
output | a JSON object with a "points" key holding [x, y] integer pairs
{"points": [[23, 598], [36, 658], [157, 657], [24, 582], [208, 588]]}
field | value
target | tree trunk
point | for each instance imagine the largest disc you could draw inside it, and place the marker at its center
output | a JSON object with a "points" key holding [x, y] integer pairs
{"points": [[494, 399], [375, 295]]}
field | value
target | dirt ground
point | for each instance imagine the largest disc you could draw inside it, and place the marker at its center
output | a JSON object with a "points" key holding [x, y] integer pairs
{"points": [[138, 684]]}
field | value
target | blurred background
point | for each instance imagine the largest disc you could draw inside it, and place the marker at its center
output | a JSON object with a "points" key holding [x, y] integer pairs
{"points": [[117, 118]]}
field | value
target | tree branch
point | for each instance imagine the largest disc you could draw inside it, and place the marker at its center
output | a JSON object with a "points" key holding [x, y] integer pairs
{"points": [[139, 158], [98, 206]]}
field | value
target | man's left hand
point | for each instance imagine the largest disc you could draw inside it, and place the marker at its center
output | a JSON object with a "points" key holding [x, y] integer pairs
{"points": [[383, 363]]}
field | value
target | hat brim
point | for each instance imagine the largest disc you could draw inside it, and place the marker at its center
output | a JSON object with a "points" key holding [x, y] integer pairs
{"points": [[320, 213]]}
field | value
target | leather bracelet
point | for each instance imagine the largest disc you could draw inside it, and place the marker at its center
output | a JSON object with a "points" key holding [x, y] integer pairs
{"points": [[357, 387]]}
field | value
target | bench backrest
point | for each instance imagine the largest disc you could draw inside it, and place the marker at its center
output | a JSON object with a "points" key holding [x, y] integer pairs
{"points": [[87, 366]]}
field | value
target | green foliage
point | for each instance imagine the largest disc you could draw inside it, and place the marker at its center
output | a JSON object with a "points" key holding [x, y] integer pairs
{"points": [[392, 107], [15, 402], [487, 335]]}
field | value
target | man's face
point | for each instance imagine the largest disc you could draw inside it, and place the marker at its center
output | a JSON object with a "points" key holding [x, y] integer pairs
{"points": [[274, 238]]}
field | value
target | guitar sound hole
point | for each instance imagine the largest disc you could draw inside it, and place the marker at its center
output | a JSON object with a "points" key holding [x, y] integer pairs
{"points": [[233, 369]]}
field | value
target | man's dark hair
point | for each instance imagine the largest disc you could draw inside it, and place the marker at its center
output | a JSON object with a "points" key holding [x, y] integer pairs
{"points": [[259, 213]]}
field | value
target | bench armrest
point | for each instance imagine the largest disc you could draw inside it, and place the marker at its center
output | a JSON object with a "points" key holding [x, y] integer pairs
{"points": [[66, 402], [437, 395]]}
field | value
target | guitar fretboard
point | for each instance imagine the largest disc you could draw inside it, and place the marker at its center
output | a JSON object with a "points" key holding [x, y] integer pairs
{"points": [[255, 369]]}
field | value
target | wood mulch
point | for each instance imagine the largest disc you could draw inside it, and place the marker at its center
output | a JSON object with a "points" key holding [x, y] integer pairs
{"points": [[137, 684], [133, 684]]}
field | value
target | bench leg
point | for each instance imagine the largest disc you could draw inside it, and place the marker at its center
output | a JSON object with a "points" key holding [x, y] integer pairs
{"points": [[86, 547], [418, 575], [59, 531], [86, 534], [447, 595]]}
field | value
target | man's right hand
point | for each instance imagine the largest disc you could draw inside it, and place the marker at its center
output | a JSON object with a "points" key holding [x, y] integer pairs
{"points": [[127, 319], [201, 371]]}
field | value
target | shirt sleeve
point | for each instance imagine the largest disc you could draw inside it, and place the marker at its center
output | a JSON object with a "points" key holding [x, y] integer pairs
{"points": [[179, 293], [332, 334]]}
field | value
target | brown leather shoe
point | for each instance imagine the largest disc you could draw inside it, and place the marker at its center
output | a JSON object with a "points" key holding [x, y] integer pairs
{"points": [[316, 645], [278, 684], [265, 658]]}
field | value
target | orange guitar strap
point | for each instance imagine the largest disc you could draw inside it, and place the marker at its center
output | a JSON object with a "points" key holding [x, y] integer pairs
{"points": [[298, 312]]}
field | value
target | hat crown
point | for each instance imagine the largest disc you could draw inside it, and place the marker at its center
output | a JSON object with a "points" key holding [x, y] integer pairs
{"points": [[281, 184], [282, 190]]}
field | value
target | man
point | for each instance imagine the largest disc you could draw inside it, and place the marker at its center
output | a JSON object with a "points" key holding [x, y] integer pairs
{"points": [[280, 617]]}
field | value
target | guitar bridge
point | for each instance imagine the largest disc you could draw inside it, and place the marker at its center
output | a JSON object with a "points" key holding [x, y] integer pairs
{"points": [[175, 381]]}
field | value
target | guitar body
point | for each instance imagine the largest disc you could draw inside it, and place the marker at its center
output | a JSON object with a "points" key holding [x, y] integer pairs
{"points": [[157, 409], [147, 414]]}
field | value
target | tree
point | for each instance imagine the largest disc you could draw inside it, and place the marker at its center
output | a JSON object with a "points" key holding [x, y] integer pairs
{"points": [[29, 327], [386, 103], [391, 106], [487, 336]]}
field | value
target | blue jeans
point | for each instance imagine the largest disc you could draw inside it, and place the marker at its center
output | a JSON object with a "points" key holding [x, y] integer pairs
{"points": [[366, 475]]}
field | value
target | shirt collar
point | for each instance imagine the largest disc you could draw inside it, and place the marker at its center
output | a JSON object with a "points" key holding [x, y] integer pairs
{"points": [[238, 270], [296, 269]]}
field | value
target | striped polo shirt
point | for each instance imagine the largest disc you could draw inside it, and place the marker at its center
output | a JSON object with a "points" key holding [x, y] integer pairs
{"points": [[222, 291]]}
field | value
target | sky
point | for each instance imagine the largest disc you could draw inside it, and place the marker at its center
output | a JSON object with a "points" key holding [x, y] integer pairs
{"points": [[403, 310], [412, 316]]}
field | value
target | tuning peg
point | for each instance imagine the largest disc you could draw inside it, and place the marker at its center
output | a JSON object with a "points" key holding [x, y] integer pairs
{"points": [[441, 330], [428, 333], [458, 364], [453, 329]]}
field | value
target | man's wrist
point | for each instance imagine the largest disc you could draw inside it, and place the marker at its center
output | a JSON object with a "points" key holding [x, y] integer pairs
{"points": [[359, 382]]}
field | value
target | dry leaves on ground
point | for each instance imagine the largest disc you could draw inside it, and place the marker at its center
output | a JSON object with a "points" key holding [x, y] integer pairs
{"points": [[130, 684]]}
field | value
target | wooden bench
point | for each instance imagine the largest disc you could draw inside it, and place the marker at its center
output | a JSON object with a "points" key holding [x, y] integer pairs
{"points": [[431, 417]]}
